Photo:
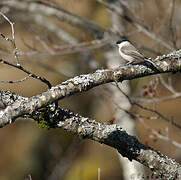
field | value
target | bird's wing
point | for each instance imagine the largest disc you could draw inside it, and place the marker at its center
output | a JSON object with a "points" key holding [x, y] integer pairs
{"points": [[132, 51]]}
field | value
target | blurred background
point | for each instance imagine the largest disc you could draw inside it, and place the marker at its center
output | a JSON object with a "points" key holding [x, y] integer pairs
{"points": [[28, 151]]}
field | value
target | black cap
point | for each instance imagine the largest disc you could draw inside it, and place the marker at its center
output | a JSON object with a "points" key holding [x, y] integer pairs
{"points": [[119, 42]]}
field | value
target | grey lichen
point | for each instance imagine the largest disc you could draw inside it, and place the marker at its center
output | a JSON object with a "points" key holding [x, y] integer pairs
{"points": [[109, 129], [42, 99], [175, 54]]}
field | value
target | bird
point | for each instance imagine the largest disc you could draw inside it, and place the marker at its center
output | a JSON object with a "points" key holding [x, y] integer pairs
{"points": [[131, 55]]}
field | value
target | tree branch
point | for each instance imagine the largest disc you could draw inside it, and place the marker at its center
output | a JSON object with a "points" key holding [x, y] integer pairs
{"points": [[111, 135], [165, 64]]}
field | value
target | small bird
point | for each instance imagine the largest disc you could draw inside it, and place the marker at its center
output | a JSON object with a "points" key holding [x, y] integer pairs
{"points": [[132, 56]]}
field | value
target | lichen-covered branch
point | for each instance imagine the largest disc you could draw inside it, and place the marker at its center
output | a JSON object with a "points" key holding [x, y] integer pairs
{"points": [[111, 135], [166, 63], [128, 146]]}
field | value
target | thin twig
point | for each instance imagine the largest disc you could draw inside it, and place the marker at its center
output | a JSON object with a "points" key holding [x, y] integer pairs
{"points": [[167, 85], [42, 79], [171, 24], [15, 52], [149, 109], [16, 81], [139, 26], [12, 41], [150, 100]]}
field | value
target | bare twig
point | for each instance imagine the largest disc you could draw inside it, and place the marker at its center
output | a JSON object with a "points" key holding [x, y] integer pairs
{"points": [[82, 44], [167, 85], [140, 27], [157, 134], [15, 81], [150, 109], [67, 49], [172, 25], [18, 65], [45, 45], [158, 99], [13, 43], [42, 79], [134, 115]]}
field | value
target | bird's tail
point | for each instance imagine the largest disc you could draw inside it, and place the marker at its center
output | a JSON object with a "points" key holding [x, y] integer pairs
{"points": [[148, 63]]}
